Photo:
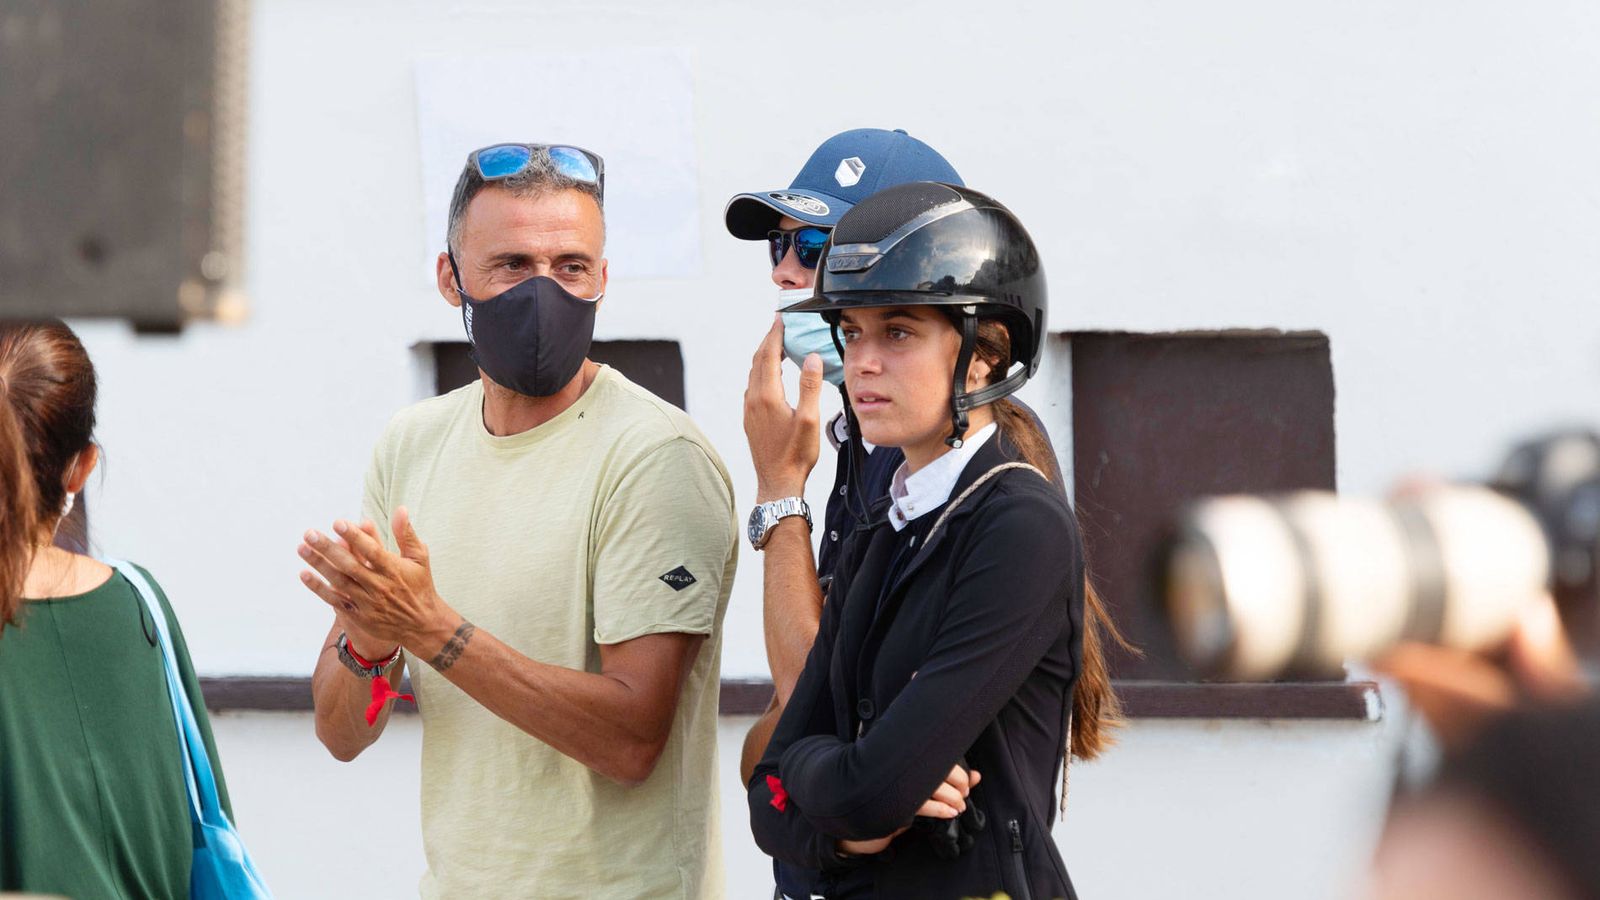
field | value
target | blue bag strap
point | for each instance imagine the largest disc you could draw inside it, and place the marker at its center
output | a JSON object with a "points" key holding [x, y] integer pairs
{"points": [[228, 871], [197, 775]]}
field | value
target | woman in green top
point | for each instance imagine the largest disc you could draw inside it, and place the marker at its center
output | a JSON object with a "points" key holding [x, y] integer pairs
{"points": [[92, 796]]}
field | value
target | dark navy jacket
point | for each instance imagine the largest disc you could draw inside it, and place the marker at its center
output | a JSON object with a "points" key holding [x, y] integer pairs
{"points": [[987, 617], [877, 471]]}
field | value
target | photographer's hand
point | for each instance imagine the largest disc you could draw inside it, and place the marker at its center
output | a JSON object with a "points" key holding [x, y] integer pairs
{"points": [[1458, 691]]}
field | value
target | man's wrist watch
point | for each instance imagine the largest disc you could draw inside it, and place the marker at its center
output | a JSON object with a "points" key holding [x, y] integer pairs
{"points": [[766, 517], [363, 667]]}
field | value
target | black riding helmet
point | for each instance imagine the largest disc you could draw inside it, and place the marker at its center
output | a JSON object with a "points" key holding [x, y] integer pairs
{"points": [[929, 244]]}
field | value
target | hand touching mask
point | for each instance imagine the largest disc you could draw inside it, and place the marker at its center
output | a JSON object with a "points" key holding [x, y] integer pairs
{"points": [[806, 333]]}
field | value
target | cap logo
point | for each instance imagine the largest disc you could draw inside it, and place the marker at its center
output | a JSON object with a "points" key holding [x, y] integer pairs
{"points": [[808, 205], [849, 172]]}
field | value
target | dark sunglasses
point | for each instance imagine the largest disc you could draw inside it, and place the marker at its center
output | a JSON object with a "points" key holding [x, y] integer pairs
{"points": [[807, 240], [505, 160]]}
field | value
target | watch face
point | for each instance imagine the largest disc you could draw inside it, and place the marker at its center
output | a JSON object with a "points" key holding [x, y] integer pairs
{"points": [[754, 529]]}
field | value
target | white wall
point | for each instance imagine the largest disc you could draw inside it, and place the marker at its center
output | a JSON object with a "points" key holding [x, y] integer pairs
{"points": [[1418, 180], [1244, 811]]}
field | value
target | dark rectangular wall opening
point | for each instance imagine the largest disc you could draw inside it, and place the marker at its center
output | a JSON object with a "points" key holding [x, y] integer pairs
{"points": [[1160, 419]]}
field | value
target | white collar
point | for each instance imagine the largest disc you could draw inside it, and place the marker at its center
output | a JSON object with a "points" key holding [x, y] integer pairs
{"points": [[839, 432], [913, 495]]}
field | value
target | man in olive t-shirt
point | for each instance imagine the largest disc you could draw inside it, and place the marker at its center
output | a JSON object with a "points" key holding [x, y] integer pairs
{"points": [[560, 554]]}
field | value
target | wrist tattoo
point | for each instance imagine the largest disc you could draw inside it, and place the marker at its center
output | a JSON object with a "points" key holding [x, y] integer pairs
{"points": [[453, 648]]}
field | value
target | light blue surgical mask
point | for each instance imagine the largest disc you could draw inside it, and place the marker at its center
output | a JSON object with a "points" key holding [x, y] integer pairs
{"points": [[805, 333]]}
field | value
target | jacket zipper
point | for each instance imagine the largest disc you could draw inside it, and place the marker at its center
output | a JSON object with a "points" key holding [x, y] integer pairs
{"points": [[1018, 870]]}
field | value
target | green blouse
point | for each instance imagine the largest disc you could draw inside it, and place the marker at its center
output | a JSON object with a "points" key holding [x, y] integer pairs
{"points": [[92, 797]]}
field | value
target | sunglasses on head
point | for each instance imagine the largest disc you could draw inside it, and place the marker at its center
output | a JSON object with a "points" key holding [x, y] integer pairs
{"points": [[807, 240], [505, 160]]}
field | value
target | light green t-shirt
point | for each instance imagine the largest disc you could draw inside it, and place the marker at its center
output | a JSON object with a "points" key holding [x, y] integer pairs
{"points": [[611, 521]]}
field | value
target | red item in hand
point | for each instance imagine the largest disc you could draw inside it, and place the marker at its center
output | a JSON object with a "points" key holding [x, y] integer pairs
{"points": [[382, 693], [780, 797]]}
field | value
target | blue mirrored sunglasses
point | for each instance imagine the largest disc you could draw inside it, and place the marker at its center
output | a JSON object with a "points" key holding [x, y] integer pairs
{"points": [[505, 160], [807, 240]]}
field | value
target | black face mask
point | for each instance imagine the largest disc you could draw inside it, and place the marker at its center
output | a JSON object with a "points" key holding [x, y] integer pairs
{"points": [[532, 338]]}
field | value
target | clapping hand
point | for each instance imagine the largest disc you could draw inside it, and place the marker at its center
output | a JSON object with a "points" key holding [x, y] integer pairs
{"points": [[381, 597]]}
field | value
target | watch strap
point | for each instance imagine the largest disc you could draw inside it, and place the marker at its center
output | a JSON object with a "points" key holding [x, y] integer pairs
{"points": [[789, 506]]}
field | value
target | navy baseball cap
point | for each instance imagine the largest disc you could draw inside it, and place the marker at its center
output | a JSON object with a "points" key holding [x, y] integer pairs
{"points": [[848, 168]]}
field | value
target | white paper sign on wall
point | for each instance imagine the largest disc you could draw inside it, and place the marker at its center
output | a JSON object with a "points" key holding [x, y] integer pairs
{"points": [[634, 107]]}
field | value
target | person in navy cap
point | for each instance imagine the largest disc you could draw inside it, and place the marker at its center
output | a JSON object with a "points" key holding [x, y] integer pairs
{"points": [[795, 222]]}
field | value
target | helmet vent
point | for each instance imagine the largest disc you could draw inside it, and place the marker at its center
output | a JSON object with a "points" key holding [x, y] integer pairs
{"points": [[890, 208]]}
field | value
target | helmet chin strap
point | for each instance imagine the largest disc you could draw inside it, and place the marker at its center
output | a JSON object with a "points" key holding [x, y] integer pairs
{"points": [[960, 400], [856, 455]]}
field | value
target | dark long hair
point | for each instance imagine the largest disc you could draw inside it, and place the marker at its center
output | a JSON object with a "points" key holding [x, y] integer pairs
{"points": [[1096, 711], [47, 395]]}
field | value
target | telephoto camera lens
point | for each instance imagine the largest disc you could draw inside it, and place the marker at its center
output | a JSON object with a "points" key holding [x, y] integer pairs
{"points": [[1258, 587], [1558, 478], [1262, 587]]}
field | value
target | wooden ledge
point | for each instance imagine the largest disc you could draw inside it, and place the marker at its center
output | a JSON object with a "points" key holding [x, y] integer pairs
{"points": [[1349, 701]]}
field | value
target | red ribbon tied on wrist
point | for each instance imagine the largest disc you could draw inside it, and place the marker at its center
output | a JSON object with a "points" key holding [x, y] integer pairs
{"points": [[382, 693], [780, 797]]}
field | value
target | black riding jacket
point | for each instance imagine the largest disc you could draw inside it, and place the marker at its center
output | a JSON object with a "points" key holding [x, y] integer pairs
{"points": [[970, 653]]}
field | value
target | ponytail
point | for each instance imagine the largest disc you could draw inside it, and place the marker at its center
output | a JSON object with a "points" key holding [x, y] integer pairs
{"points": [[1096, 711], [19, 521], [47, 396]]}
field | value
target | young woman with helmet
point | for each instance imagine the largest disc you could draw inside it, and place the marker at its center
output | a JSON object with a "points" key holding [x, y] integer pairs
{"points": [[959, 659]]}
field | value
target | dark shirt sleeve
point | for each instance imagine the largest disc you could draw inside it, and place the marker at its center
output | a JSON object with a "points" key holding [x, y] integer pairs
{"points": [[1009, 600], [785, 834]]}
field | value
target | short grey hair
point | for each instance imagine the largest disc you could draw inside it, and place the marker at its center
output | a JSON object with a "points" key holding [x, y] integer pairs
{"points": [[540, 178]]}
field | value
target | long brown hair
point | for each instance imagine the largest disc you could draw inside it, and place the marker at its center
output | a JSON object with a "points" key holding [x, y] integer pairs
{"points": [[47, 394], [1096, 711]]}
